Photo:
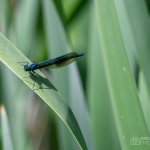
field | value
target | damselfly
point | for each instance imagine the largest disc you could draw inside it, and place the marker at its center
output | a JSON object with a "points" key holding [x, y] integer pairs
{"points": [[56, 62], [53, 63]]}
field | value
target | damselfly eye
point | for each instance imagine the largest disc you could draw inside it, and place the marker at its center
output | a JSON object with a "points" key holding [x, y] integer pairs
{"points": [[26, 68]]}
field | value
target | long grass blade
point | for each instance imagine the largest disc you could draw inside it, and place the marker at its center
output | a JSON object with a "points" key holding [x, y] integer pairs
{"points": [[49, 93], [122, 89]]}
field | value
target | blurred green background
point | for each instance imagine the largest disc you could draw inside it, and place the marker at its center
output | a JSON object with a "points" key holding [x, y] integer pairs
{"points": [[107, 89]]}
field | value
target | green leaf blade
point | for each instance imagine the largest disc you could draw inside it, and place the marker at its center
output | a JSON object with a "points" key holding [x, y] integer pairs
{"points": [[10, 56], [124, 97]]}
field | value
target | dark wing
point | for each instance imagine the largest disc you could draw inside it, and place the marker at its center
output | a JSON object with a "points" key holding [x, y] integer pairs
{"points": [[60, 61]]}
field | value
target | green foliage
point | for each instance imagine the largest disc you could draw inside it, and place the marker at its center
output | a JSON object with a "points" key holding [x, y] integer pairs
{"points": [[103, 99], [51, 96]]}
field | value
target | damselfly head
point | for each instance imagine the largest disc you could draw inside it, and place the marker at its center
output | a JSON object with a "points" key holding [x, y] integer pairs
{"points": [[26, 67]]}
